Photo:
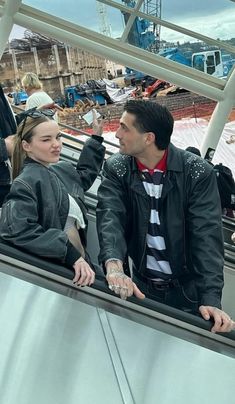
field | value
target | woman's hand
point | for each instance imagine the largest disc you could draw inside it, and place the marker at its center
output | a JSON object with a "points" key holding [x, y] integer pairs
{"points": [[84, 275], [97, 125], [51, 105]]}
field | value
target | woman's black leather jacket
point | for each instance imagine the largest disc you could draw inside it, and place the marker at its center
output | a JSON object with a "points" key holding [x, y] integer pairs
{"points": [[35, 212]]}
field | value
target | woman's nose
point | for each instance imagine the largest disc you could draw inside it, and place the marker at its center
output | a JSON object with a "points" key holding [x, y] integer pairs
{"points": [[56, 143]]}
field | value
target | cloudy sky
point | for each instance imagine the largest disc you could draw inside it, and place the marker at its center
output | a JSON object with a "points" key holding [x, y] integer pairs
{"points": [[214, 18]]}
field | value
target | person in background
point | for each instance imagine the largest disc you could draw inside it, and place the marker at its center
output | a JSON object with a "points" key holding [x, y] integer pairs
{"points": [[7, 130], [33, 87], [44, 212], [159, 205], [193, 150]]}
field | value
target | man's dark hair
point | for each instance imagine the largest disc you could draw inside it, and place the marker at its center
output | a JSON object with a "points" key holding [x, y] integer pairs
{"points": [[152, 117]]}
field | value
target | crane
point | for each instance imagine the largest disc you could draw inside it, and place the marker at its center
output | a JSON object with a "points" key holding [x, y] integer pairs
{"points": [[144, 33], [103, 19]]}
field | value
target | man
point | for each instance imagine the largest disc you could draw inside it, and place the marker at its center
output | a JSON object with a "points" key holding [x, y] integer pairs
{"points": [[159, 206]]}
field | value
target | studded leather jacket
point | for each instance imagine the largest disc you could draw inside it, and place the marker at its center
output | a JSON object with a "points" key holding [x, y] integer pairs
{"points": [[190, 217]]}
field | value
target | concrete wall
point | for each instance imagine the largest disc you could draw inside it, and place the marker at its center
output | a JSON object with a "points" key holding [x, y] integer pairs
{"points": [[57, 67]]}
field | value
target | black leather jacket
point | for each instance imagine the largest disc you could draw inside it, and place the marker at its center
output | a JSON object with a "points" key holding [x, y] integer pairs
{"points": [[5, 177], [7, 127], [190, 216], [36, 209]]}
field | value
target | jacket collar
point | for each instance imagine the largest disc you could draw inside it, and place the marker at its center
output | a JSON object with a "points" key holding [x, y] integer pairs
{"points": [[174, 160], [28, 160]]}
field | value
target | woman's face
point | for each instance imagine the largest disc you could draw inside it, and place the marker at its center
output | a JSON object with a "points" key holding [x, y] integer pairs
{"points": [[46, 144]]}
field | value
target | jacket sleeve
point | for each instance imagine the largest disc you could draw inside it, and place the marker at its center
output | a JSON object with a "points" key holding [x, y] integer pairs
{"points": [[19, 225], [90, 161], [111, 215], [3, 151], [206, 239]]}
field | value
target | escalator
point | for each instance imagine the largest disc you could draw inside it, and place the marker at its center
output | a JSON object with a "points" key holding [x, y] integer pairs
{"points": [[62, 344]]}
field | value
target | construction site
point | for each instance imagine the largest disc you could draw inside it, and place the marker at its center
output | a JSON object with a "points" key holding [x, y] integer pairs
{"points": [[77, 80], [117, 254]]}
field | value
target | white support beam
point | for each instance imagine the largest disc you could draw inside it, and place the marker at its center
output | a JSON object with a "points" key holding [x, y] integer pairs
{"points": [[123, 53], [8, 11], [220, 116]]}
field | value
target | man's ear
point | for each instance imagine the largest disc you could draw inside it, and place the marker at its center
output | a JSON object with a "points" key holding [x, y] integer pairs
{"points": [[25, 145], [150, 138]]}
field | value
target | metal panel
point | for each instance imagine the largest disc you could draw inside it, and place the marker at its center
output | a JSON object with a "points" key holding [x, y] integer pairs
{"points": [[165, 370], [52, 349], [55, 349]]}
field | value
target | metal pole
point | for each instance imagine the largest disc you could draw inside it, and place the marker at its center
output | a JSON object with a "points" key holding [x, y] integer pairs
{"points": [[6, 23], [220, 116]]}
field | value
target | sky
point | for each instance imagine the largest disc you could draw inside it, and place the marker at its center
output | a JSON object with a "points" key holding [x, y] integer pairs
{"points": [[214, 18]]}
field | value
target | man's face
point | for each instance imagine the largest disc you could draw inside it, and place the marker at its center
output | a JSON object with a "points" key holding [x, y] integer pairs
{"points": [[131, 141]]}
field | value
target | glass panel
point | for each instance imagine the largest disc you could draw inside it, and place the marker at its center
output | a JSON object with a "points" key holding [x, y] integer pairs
{"points": [[181, 48], [215, 19], [87, 13]]}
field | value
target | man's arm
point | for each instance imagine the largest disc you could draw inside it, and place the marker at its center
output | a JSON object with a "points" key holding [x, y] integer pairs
{"points": [[203, 220], [111, 226]]}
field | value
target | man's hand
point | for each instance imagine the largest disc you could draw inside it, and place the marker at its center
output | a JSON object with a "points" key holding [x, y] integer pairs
{"points": [[10, 143], [84, 275], [222, 321], [120, 283]]}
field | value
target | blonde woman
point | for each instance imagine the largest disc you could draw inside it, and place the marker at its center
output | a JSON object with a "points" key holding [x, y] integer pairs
{"points": [[44, 212], [33, 87]]}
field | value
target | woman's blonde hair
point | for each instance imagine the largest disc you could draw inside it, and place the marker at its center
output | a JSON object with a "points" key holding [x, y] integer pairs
{"points": [[25, 132], [31, 81]]}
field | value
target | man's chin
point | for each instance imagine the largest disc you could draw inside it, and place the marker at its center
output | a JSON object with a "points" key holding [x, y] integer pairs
{"points": [[121, 150]]}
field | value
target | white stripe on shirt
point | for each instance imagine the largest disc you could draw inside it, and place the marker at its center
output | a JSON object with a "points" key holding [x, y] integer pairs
{"points": [[153, 190], [156, 242], [154, 217], [160, 266]]}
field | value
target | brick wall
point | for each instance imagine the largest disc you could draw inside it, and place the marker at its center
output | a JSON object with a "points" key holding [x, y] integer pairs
{"points": [[181, 105]]}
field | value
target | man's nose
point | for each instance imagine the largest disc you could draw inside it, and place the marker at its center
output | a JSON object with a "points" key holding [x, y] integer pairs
{"points": [[118, 133]]}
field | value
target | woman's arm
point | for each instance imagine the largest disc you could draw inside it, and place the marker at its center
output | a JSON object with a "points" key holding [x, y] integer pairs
{"points": [[92, 156]]}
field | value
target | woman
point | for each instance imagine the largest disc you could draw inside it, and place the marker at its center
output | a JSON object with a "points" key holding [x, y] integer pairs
{"points": [[33, 87], [44, 212]]}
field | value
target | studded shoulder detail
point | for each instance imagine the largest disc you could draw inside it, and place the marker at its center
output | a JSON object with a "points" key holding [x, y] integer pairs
{"points": [[196, 166], [119, 163]]}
